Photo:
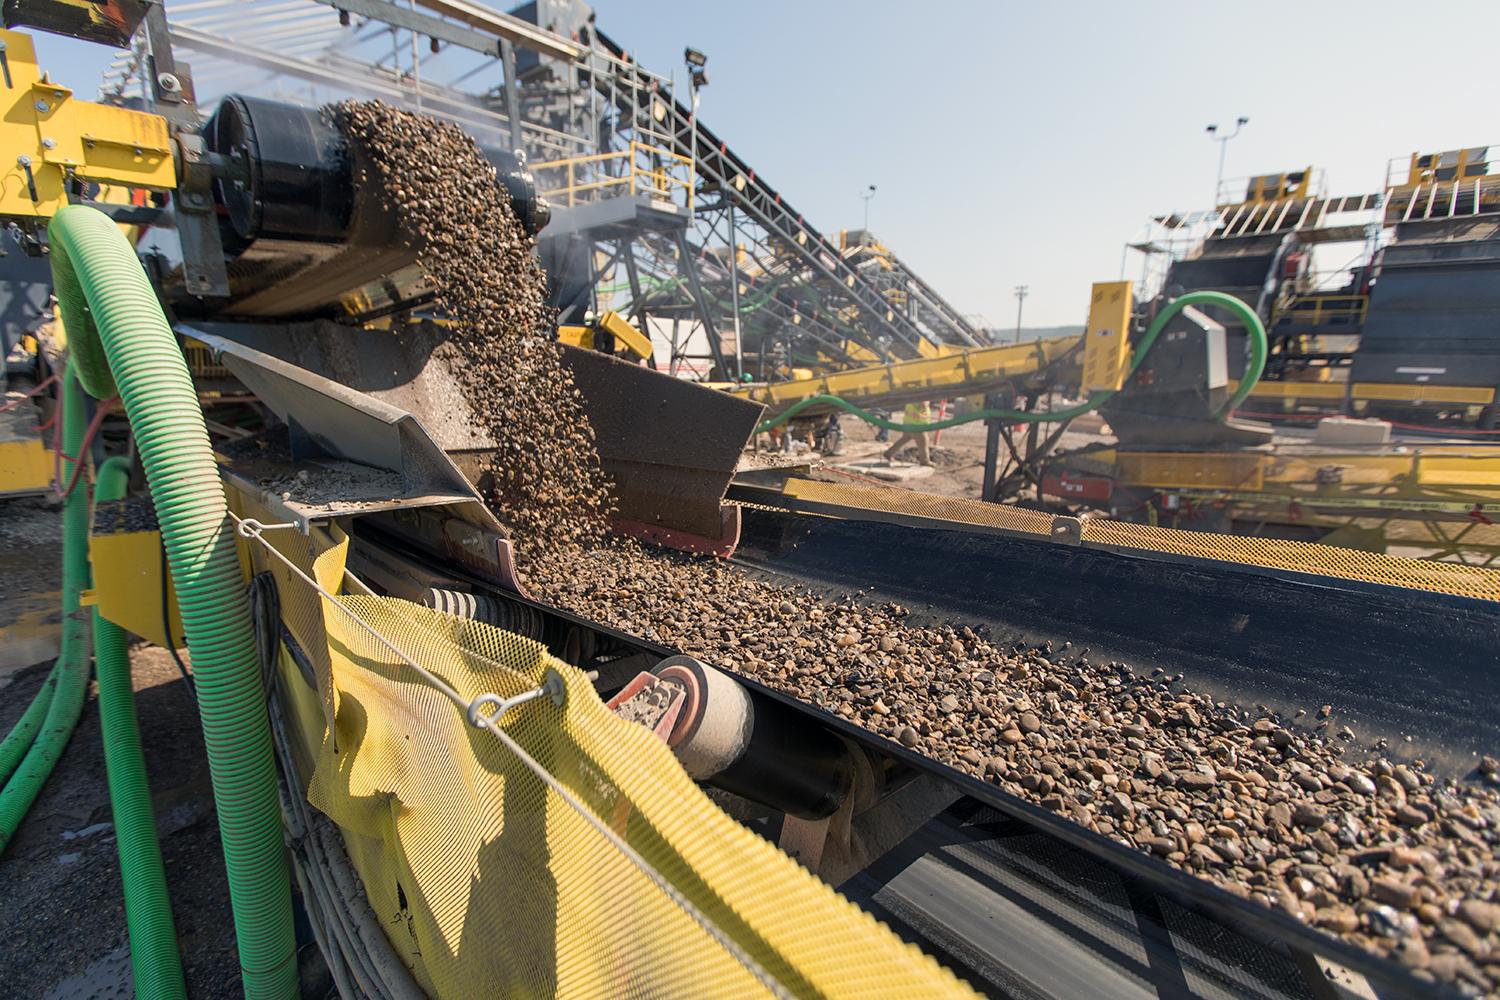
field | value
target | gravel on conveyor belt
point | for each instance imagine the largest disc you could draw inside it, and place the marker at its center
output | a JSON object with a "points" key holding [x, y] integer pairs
{"points": [[1379, 853]]}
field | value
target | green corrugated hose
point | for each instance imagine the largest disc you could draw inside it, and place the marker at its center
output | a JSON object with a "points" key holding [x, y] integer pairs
{"points": [[21, 735], [107, 301], [1255, 366], [72, 670], [154, 959]]}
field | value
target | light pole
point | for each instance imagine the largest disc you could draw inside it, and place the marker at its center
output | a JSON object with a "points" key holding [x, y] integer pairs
{"points": [[867, 195], [1021, 292], [1223, 141]]}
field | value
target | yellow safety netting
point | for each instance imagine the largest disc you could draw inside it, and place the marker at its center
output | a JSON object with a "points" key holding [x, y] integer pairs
{"points": [[490, 884]]}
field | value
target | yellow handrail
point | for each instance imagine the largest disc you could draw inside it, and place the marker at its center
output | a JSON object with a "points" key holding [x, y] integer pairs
{"points": [[642, 169]]}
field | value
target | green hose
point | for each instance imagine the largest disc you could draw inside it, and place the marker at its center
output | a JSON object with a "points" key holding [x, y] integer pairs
{"points": [[107, 300], [23, 733], [1255, 366], [72, 669], [154, 959]]}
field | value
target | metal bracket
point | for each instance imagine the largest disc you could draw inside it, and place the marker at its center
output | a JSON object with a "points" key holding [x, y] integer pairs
{"points": [[551, 687], [197, 225], [1067, 530]]}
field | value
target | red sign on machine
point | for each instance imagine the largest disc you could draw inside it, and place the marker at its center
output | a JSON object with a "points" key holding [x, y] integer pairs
{"points": [[1075, 486]]}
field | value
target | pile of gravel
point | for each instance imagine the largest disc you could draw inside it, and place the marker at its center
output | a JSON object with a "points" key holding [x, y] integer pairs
{"points": [[1379, 853]]}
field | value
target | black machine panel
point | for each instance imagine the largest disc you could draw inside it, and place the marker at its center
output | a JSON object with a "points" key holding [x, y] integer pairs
{"points": [[1434, 314]]}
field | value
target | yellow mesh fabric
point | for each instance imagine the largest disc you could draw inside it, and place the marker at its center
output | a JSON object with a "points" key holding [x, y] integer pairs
{"points": [[490, 884], [1302, 557]]}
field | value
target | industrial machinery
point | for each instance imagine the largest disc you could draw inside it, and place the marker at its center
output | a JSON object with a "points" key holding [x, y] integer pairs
{"points": [[482, 790]]}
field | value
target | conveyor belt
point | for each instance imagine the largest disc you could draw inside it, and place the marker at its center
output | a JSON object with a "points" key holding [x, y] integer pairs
{"points": [[956, 374], [996, 881]]}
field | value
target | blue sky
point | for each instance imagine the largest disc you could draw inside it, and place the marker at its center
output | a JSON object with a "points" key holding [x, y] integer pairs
{"points": [[1025, 143]]}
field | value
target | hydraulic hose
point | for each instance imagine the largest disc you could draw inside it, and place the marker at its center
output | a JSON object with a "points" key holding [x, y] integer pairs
{"points": [[70, 676], [1255, 366], [109, 308], [154, 959]]}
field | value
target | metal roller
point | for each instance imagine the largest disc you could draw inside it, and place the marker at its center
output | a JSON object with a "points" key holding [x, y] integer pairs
{"points": [[754, 746], [512, 617]]}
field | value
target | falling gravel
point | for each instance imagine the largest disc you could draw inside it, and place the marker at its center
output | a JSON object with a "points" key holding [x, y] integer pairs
{"points": [[545, 479], [1381, 854]]}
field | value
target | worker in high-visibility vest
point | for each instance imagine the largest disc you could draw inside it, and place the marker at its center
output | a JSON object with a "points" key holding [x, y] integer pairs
{"points": [[916, 413]]}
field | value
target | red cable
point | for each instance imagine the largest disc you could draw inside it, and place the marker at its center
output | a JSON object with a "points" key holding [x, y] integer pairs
{"points": [[88, 438], [36, 391]]}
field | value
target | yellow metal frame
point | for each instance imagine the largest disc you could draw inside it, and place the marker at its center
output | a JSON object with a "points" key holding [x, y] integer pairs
{"points": [[954, 374], [1106, 342], [1394, 392], [636, 343], [642, 169], [1425, 166], [1317, 310], [48, 136], [1461, 473]]}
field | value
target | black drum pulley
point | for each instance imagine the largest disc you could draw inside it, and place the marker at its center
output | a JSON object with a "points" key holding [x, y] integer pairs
{"points": [[299, 174], [299, 171]]}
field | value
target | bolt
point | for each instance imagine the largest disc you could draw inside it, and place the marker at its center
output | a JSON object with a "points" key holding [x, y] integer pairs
{"points": [[168, 82], [41, 106], [23, 160], [49, 143]]}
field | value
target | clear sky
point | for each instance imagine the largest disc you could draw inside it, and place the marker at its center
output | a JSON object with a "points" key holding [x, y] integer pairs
{"points": [[1024, 143]]}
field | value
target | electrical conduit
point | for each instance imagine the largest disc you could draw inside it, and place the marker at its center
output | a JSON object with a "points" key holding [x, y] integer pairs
{"points": [[1255, 366], [122, 340], [154, 959], [70, 676]]}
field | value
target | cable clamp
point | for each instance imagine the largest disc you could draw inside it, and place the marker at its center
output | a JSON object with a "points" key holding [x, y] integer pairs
{"points": [[249, 527], [551, 687]]}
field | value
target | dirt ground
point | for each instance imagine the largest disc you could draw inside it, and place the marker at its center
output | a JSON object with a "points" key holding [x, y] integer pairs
{"points": [[957, 455], [64, 923]]}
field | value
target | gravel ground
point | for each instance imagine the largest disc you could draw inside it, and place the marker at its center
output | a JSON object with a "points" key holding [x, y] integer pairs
{"points": [[1377, 852], [64, 922]]}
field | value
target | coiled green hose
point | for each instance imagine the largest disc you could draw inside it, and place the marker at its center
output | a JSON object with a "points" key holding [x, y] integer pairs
{"points": [[72, 669], [107, 301], [154, 959], [1255, 366]]}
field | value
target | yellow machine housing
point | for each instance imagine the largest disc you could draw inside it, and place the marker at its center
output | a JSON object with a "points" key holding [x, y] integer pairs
{"points": [[628, 340], [127, 567], [49, 137], [25, 466]]}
